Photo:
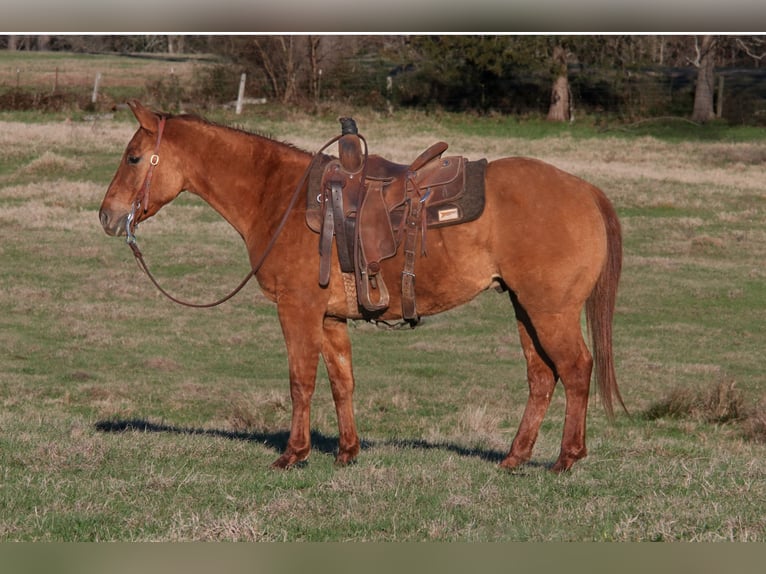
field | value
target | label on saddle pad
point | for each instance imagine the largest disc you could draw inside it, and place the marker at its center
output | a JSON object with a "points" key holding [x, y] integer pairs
{"points": [[447, 215]]}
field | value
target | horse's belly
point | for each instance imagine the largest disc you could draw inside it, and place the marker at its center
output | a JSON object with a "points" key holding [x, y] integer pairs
{"points": [[455, 268]]}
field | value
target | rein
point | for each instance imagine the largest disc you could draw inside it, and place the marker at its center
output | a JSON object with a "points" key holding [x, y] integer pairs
{"points": [[143, 198]]}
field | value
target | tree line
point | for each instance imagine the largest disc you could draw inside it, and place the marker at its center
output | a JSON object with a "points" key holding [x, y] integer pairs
{"points": [[465, 72]]}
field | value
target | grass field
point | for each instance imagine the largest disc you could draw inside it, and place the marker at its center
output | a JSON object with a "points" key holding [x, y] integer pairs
{"points": [[127, 418]]}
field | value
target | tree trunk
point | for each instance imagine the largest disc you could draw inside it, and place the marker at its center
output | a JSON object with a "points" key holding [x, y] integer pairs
{"points": [[316, 72], [13, 43], [703, 93], [175, 44], [288, 49], [560, 108]]}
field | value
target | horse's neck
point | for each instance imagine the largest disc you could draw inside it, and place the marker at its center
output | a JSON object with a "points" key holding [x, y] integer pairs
{"points": [[246, 178]]}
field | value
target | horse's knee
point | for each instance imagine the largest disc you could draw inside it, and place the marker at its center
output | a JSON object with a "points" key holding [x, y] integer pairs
{"points": [[301, 393]]}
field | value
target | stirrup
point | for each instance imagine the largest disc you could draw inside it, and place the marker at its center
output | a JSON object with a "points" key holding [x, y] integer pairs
{"points": [[363, 291]]}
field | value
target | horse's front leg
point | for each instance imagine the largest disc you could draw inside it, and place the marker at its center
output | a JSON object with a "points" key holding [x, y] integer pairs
{"points": [[302, 329], [336, 352]]}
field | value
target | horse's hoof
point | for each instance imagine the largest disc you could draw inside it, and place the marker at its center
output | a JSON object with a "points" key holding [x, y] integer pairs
{"points": [[344, 461], [561, 467], [346, 456], [288, 461], [280, 464], [564, 464], [512, 462]]}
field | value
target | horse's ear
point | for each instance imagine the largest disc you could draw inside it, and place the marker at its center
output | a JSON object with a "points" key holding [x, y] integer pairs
{"points": [[147, 118]]}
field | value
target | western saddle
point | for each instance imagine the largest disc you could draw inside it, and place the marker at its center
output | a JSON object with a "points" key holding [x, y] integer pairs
{"points": [[371, 205]]}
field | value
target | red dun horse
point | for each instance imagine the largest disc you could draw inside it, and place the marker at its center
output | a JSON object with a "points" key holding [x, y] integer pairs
{"points": [[550, 239]]}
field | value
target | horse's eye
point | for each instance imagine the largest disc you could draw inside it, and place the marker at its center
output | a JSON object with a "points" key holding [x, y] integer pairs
{"points": [[134, 159]]}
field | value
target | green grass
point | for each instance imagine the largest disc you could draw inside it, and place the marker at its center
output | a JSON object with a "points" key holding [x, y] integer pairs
{"points": [[673, 130], [677, 130], [127, 418]]}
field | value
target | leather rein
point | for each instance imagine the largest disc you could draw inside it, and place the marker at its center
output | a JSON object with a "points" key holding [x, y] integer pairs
{"points": [[142, 199]]}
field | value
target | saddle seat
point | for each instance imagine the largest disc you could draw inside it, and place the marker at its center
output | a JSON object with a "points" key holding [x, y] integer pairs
{"points": [[371, 211], [382, 168]]}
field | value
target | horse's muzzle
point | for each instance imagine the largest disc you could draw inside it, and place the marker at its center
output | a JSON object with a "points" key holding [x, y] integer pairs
{"points": [[113, 225]]}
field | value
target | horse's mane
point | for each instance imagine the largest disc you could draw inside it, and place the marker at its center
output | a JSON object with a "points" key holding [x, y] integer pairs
{"points": [[235, 128]]}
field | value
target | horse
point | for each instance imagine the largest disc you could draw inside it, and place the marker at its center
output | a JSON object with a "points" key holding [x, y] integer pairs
{"points": [[549, 239]]}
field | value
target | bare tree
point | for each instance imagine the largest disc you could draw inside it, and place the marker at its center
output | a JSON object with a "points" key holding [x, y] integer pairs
{"points": [[705, 54], [278, 59], [754, 47], [561, 104], [314, 61], [175, 44]]}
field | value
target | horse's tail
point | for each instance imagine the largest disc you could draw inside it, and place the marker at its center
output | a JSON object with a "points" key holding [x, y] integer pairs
{"points": [[599, 308]]}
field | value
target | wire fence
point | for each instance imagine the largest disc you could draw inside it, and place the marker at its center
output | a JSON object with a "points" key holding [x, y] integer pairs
{"points": [[740, 94]]}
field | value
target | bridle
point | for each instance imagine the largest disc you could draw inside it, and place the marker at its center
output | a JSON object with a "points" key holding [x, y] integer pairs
{"points": [[142, 198]]}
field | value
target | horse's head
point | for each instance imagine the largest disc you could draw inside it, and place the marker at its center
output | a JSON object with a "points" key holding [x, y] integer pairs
{"points": [[148, 177]]}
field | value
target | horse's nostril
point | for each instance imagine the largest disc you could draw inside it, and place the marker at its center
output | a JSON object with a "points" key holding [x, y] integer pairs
{"points": [[104, 218]]}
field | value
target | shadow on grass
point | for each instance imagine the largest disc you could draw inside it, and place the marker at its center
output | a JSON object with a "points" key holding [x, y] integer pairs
{"points": [[277, 440]]}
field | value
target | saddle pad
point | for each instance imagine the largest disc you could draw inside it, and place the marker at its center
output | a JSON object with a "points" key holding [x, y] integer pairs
{"points": [[461, 207], [466, 205]]}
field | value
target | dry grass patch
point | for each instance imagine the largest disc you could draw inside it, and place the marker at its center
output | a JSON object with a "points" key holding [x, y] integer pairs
{"points": [[209, 526], [35, 214], [755, 424], [50, 163], [23, 138], [254, 411], [740, 154], [721, 403], [479, 425], [55, 205]]}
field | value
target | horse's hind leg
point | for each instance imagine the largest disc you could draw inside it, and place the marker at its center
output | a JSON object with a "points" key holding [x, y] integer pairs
{"points": [[574, 364], [336, 351], [554, 346], [541, 380], [560, 335]]}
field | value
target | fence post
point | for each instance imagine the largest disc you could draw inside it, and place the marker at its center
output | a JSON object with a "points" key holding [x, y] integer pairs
{"points": [[241, 95], [94, 97]]}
